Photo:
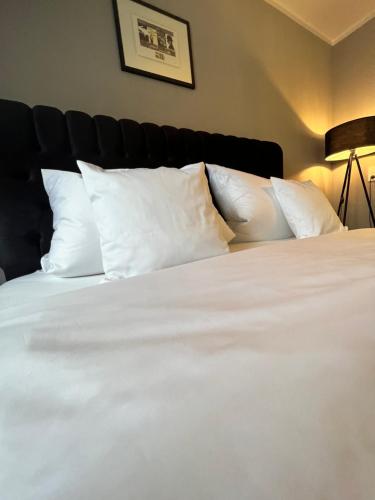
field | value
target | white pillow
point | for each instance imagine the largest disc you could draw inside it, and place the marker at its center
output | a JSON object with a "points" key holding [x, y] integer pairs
{"points": [[149, 219], [248, 204], [75, 246], [306, 209], [227, 233]]}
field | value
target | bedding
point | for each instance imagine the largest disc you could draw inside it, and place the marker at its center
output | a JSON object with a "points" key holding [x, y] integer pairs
{"points": [[306, 208], [75, 246], [39, 284], [149, 219], [248, 375], [248, 204]]}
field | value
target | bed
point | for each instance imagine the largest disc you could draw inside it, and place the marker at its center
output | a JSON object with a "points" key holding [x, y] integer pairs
{"points": [[247, 375]]}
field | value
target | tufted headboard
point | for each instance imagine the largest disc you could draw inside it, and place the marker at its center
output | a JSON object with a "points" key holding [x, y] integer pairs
{"points": [[44, 137]]}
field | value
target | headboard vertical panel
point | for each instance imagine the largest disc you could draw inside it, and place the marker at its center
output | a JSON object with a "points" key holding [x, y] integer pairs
{"points": [[194, 145], [83, 137], [175, 146], [155, 144], [18, 141], [53, 139], [109, 140], [44, 137], [51, 130], [135, 152]]}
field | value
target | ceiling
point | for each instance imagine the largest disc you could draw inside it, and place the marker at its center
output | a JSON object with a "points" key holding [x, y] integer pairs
{"points": [[331, 20]]}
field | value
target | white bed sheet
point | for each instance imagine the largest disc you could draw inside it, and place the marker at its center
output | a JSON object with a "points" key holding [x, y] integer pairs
{"points": [[41, 285], [249, 375]]}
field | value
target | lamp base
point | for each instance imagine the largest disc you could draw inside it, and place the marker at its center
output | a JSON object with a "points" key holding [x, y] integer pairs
{"points": [[344, 198]]}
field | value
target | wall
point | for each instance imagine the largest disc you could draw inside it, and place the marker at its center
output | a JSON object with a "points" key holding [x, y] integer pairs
{"points": [[353, 77], [258, 73]]}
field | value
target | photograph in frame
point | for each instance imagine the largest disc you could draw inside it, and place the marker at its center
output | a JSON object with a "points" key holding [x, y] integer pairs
{"points": [[153, 42]]}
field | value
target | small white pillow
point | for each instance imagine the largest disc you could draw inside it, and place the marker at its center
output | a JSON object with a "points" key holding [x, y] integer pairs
{"points": [[149, 219], [306, 209], [75, 246], [248, 204]]}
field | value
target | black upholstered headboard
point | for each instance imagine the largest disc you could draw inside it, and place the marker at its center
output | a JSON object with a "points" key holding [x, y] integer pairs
{"points": [[44, 137]]}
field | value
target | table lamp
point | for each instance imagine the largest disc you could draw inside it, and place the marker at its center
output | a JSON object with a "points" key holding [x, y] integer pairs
{"points": [[349, 141]]}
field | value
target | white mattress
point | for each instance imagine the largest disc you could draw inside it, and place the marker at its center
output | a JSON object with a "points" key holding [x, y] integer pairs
{"points": [[40, 284], [244, 376]]}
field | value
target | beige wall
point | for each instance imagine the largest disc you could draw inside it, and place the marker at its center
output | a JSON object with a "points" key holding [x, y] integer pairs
{"points": [[258, 73], [353, 77]]}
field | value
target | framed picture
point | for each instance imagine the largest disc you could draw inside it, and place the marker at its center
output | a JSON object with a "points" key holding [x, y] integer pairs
{"points": [[153, 42]]}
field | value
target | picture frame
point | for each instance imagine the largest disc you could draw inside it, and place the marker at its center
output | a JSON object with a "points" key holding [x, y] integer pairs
{"points": [[153, 42]]}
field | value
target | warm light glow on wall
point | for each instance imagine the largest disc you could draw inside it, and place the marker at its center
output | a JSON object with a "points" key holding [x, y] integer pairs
{"points": [[320, 175], [313, 118], [309, 103]]}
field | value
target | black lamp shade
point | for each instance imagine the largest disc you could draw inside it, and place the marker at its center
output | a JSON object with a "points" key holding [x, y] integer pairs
{"points": [[357, 135]]}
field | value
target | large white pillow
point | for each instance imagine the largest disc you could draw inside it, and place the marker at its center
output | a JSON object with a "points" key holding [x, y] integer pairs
{"points": [[225, 229], [248, 204], [306, 209], [149, 219], [75, 246]]}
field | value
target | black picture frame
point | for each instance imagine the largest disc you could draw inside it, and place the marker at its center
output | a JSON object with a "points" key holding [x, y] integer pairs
{"points": [[122, 48]]}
